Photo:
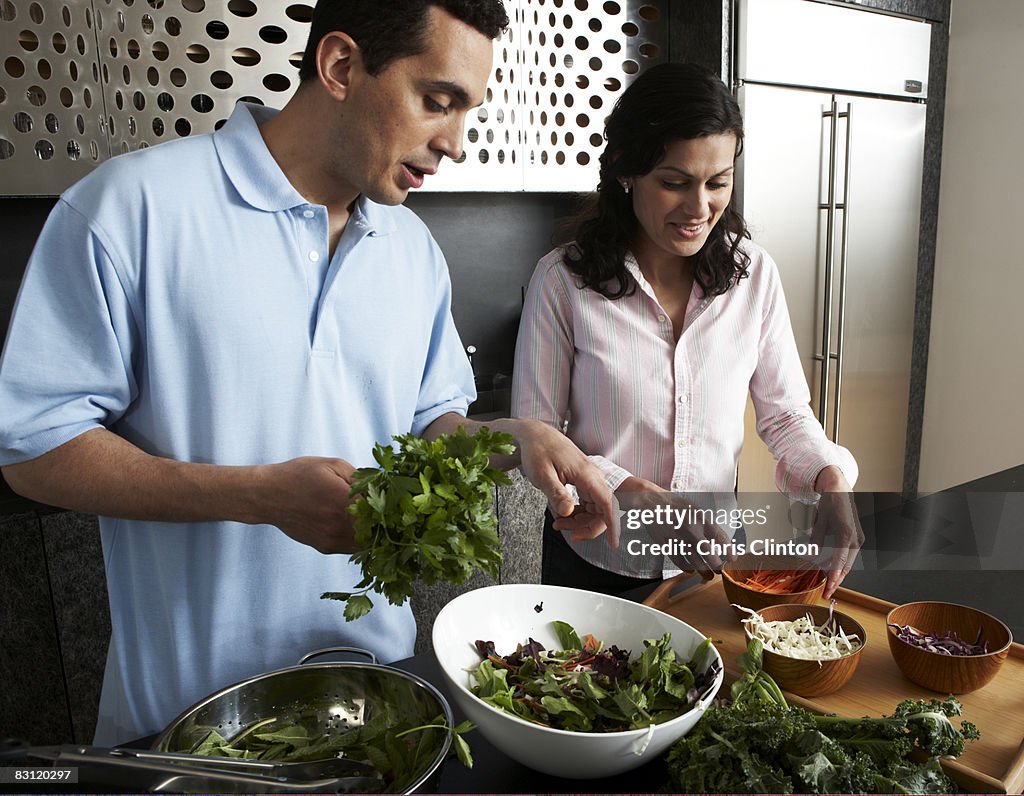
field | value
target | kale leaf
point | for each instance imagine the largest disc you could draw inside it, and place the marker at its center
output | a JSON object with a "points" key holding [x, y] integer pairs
{"points": [[760, 744]]}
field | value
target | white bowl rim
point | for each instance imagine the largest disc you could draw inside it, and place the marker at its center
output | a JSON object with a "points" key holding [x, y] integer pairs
{"points": [[625, 734], [1002, 649]]}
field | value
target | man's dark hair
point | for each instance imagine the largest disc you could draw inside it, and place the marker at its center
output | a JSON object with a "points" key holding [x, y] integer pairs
{"points": [[387, 30]]}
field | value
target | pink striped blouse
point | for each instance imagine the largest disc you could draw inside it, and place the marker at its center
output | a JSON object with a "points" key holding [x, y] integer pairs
{"points": [[612, 375]]}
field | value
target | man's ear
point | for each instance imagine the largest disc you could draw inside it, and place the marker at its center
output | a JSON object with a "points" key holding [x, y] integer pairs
{"points": [[338, 59]]}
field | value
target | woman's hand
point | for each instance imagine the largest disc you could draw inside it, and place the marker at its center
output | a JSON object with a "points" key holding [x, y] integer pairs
{"points": [[669, 520], [836, 517]]}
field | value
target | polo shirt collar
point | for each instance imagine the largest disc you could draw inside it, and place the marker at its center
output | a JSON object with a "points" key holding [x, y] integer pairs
{"points": [[249, 164], [259, 180], [378, 219]]}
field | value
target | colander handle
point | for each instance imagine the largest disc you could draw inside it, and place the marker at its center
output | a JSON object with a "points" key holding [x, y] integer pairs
{"points": [[328, 650]]}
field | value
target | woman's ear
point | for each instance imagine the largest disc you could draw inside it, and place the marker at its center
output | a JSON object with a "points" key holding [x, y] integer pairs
{"points": [[337, 60]]}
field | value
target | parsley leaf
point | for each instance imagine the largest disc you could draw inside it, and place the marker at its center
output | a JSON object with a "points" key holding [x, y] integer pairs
{"points": [[426, 514]]}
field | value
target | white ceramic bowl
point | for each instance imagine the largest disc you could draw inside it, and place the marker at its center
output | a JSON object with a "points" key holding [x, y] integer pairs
{"points": [[507, 615]]}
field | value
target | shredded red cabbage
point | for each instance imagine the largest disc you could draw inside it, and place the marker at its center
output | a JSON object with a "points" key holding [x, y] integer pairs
{"points": [[948, 644]]}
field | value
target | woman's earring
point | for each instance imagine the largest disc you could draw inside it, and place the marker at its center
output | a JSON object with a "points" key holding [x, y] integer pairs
{"points": [[626, 188]]}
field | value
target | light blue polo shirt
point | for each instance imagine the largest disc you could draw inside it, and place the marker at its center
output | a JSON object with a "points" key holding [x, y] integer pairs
{"points": [[184, 297]]}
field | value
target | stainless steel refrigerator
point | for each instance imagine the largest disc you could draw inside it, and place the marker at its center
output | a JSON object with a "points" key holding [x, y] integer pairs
{"points": [[830, 183]]}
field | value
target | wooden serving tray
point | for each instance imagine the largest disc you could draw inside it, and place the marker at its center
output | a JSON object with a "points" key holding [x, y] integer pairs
{"points": [[992, 764]]}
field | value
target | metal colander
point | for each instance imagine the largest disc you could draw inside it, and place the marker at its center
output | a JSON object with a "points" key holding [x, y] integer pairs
{"points": [[324, 698]]}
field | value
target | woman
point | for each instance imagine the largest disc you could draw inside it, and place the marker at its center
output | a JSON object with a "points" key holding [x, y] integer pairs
{"points": [[643, 337]]}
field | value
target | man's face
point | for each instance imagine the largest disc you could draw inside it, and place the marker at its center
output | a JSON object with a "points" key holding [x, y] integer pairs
{"points": [[401, 123]]}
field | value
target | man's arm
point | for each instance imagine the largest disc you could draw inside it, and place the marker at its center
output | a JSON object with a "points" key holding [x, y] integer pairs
{"points": [[550, 460], [98, 472]]}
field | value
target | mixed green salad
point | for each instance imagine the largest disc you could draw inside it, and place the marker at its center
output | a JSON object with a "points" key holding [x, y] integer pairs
{"points": [[587, 687]]}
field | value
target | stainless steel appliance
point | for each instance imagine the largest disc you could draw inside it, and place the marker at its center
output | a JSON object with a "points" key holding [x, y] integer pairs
{"points": [[830, 183]]}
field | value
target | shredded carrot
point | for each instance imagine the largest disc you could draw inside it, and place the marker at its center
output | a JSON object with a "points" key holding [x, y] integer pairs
{"points": [[787, 581]]}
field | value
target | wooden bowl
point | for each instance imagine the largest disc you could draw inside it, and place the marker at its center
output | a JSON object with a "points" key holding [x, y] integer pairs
{"points": [[948, 674], [736, 572], [810, 678]]}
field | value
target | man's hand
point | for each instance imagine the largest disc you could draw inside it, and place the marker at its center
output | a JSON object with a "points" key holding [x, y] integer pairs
{"points": [[639, 493], [836, 517], [308, 499]]}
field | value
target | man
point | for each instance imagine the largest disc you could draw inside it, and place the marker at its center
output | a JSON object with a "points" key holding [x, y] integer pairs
{"points": [[213, 333]]}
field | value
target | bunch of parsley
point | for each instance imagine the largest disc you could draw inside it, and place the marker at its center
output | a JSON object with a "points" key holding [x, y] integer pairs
{"points": [[761, 744], [426, 514]]}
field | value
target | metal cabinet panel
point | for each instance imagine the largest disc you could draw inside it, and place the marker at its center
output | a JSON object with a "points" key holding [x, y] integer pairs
{"points": [[798, 42], [81, 82]]}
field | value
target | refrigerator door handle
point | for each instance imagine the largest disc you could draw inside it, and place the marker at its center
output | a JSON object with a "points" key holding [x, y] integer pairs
{"points": [[830, 215], [843, 248]]}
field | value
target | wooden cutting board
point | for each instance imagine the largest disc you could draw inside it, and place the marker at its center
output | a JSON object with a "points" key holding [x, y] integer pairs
{"points": [[992, 764]]}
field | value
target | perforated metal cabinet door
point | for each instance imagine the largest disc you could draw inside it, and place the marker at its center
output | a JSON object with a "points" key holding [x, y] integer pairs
{"points": [[83, 80], [52, 121]]}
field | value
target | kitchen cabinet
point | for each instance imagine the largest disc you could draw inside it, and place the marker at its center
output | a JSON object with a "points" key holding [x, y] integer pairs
{"points": [[84, 82]]}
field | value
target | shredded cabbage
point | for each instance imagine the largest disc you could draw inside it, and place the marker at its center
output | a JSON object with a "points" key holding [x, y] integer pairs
{"points": [[801, 638]]}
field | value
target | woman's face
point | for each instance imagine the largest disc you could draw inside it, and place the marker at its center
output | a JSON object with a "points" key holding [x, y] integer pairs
{"points": [[681, 199]]}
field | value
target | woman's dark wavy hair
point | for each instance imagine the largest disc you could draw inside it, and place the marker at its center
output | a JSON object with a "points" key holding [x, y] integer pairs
{"points": [[388, 30], [666, 103]]}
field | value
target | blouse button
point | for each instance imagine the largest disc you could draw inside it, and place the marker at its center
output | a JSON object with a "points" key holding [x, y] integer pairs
{"points": [[314, 256]]}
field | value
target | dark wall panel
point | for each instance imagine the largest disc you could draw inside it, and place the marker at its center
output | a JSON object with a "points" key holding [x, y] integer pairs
{"points": [[33, 704], [20, 222], [492, 243], [81, 612]]}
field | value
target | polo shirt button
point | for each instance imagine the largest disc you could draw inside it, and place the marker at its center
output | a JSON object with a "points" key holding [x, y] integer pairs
{"points": [[308, 213], [661, 318], [314, 256]]}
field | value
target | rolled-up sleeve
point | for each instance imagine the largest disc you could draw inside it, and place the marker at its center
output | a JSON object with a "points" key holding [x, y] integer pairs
{"points": [[67, 362], [447, 384]]}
